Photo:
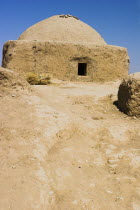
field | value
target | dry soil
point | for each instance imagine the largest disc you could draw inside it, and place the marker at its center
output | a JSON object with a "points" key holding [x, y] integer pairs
{"points": [[66, 146]]}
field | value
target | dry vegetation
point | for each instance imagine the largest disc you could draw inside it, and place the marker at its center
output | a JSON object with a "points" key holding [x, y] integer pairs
{"points": [[38, 79]]}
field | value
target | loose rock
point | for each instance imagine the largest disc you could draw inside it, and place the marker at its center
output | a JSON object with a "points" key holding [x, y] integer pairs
{"points": [[129, 95]]}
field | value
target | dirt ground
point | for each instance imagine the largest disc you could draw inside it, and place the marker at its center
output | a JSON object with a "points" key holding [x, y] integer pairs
{"points": [[66, 146]]}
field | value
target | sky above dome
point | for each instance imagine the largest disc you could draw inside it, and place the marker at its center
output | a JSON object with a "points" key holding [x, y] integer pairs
{"points": [[118, 21]]}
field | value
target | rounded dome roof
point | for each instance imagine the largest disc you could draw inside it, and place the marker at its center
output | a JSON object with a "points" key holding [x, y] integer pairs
{"points": [[65, 28]]}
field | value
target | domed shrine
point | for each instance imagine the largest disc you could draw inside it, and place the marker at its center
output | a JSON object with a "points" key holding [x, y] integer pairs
{"points": [[65, 48]]}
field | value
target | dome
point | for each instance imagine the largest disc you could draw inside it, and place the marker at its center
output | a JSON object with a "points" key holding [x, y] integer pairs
{"points": [[66, 28]]}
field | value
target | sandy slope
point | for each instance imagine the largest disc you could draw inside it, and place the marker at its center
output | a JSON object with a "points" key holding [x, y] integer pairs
{"points": [[67, 147]]}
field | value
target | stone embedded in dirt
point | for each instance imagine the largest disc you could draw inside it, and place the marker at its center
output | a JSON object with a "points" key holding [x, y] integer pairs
{"points": [[129, 95]]}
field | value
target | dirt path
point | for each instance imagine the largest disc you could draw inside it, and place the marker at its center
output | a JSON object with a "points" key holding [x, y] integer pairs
{"points": [[68, 147]]}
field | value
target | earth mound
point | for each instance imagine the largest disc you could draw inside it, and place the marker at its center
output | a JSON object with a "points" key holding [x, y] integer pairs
{"points": [[9, 80], [129, 95]]}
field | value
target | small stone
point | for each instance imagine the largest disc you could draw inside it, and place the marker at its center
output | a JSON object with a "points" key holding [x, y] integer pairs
{"points": [[134, 117], [109, 191]]}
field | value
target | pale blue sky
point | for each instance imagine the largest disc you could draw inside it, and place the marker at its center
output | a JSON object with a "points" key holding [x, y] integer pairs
{"points": [[118, 21]]}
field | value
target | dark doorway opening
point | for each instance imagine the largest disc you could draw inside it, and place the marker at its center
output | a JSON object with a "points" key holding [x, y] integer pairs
{"points": [[82, 69]]}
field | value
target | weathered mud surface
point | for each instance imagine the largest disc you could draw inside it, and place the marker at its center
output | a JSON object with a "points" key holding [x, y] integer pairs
{"points": [[129, 95], [66, 146]]}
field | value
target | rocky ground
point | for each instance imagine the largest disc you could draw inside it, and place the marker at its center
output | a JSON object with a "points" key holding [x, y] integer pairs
{"points": [[66, 146]]}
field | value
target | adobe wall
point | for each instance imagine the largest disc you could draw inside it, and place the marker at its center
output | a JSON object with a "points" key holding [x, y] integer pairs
{"points": [[104, 63]]}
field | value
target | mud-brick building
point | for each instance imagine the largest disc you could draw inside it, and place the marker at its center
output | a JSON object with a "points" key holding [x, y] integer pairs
{"points": [[66, 48]]}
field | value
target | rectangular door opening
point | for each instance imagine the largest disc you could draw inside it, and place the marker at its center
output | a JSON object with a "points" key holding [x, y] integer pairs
{"points": [[82, 69]]}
